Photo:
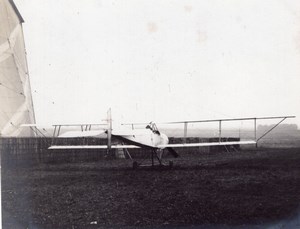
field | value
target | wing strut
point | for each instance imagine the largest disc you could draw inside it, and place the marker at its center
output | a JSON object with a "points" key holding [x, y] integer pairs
{"points": [[109, 130], [37, 131], [268, 131], [185, 131]]}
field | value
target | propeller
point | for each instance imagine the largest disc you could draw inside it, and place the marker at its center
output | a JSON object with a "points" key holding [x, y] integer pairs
{"points": [[172, 151]]}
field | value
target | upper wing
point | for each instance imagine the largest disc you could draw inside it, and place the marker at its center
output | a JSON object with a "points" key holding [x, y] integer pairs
{"points": [[182, 145], [230, 119]]}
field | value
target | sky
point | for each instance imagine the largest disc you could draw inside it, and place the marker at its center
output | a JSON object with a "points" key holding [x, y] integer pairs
{"points": [[162, 60]]}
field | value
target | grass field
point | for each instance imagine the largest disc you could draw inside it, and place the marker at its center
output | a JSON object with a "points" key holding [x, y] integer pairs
{"points": [[251, 187]]}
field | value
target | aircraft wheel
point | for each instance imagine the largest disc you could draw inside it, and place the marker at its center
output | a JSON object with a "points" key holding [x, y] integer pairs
{"points": [[170, 164], [135, 165]]}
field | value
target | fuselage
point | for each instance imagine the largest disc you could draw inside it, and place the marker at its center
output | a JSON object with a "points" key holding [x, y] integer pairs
{"points": [[143, 137]]}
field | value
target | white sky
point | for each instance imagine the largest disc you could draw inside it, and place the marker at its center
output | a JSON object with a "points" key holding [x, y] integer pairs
{"points": [[162, 60]]}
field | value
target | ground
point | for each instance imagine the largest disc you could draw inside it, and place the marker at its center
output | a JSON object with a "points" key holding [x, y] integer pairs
{"points": [[250, 187]]}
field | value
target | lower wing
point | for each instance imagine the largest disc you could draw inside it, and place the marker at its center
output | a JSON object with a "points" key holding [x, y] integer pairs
{"points": [[183, 145], [93, 147], [159, 146]]}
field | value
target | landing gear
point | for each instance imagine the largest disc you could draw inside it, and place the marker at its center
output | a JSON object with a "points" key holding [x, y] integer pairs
{"points": [[156, 161]]}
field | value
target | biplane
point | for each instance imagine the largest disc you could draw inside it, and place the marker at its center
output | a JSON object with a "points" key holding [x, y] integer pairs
{"points": [[149, 137]]}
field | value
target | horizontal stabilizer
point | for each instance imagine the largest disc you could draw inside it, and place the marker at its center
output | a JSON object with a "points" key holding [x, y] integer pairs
{"points": [[128, 133], [28, 125], [80, 134], [207, 144]]}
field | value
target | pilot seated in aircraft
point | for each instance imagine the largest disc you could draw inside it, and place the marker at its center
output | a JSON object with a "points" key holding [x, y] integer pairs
{"points": [[153, 128], [149, 127]]}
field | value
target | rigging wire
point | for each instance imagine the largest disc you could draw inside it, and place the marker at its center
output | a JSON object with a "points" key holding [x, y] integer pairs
{"points": [[7, 77], [21, 93], [19, 65]]}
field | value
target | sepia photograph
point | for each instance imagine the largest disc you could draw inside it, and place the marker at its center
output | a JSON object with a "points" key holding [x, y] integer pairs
{"points": [[150, 114]]}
